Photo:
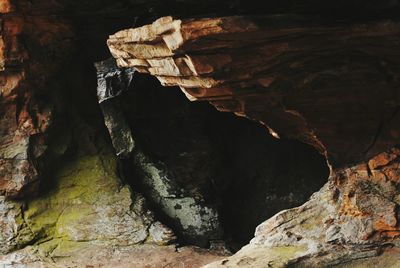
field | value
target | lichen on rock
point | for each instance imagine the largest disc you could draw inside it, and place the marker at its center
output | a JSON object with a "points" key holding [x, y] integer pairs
{"points": [[85, 202]]}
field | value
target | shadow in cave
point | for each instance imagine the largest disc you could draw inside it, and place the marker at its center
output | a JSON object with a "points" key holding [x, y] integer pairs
{"points": [[223, 161], [226, 164]]}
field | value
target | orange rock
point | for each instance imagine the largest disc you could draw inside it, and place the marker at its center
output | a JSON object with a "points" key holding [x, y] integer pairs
{"points": [[381, 160], [6, 6]]}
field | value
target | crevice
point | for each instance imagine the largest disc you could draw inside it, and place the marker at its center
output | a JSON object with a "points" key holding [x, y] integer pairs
{"points": [[380, 128], [375, 138]]}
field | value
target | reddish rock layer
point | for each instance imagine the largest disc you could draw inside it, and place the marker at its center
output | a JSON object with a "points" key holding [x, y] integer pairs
{"points": [[30, 48], [332, 86], [353, 218]]}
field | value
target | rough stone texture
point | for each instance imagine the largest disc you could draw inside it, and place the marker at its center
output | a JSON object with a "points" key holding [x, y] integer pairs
{"points": [[20, 119], [86, 255], [111, 83], [283, 71], [352, 218], [11, 222], [331, 85], [196, 221], [58, 183], [85, 203], [201, 169], [38, 62]]}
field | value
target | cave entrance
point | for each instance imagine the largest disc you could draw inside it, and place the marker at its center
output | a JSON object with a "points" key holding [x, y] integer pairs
{"points": [[208, 175], [212, 177]]}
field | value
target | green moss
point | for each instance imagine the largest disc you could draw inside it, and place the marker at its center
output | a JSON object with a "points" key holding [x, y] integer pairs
{"points": [[80, 187], [288, 252], [261, 256]]}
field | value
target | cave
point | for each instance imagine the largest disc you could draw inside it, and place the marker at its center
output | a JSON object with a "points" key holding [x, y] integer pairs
{"points": [[199, 133], [217, 160]]}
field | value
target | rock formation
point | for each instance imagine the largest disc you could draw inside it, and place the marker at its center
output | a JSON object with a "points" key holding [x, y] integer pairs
{"points": [[334, 87], [23, 120], [59, 183], [188, 175], [127, 182], [274, 69], [195, 219]]}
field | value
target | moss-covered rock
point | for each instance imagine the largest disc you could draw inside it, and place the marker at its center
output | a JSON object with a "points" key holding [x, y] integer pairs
{"points": [[86, 202]]}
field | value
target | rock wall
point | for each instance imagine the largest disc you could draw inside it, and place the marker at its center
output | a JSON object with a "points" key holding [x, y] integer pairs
{"points": [[284, 63], [24, 120], [198, 168], [60, 187], [319, 81], [62, 191], [325, 74]]}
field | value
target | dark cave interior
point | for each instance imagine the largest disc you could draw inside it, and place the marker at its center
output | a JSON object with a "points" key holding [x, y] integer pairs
{"points": [[231, 162], [211, 177]]}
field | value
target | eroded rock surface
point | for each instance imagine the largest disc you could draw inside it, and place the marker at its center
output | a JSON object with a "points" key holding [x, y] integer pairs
{"points": [[201, 169], [285, 72], [353, 217], [86, 202], [59, 183], [196, 221], [330, 83], [86, 255], [317, 81], [23, 120]]}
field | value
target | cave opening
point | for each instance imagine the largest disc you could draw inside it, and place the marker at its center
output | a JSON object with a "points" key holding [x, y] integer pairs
{"points": [[223, 175], [212, 177]]}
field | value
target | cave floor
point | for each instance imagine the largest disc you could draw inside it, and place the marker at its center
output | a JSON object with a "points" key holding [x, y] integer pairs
{"points": [[91, 256]]}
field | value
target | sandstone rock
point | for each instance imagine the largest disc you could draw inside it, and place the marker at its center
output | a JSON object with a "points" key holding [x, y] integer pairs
{"points": [[259, 67], [111, 256], [24, 71], [111, 80], [332, 84], [16, 124], [353, 217], [304, 80]]}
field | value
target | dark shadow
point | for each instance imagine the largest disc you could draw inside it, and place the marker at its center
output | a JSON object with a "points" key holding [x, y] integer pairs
{"points": [[232, 163]]}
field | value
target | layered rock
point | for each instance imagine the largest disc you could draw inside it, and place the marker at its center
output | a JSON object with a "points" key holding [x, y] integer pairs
{"points": [[353, 219], [286, 72], [333, 85], [184, 162], [59, 184], [19, 121]]}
